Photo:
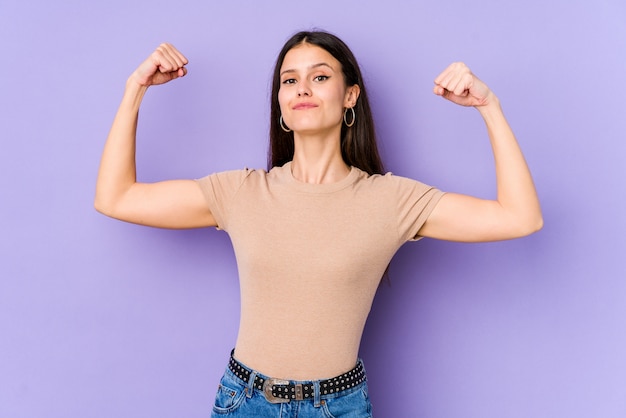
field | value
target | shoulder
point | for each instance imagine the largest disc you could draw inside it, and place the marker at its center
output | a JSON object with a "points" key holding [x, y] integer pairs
{"points": [[231, 179], [230, 175], [390, 182], [246, 177]]}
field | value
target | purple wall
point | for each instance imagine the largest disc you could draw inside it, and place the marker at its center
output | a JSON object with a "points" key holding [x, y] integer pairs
{"points": [[104, 319]]}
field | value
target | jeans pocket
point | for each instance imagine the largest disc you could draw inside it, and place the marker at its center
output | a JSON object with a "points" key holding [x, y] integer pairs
{"points": [[230, 395], [355, 404]]}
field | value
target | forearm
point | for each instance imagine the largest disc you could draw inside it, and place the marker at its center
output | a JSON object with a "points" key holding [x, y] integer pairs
{"points": [[117, 167], [516, 192]]}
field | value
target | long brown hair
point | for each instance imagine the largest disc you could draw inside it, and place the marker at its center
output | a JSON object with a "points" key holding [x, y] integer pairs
{"points": [[358, 143]]}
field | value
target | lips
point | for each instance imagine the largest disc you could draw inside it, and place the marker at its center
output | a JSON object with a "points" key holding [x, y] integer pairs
{"points": [[304, 106]]}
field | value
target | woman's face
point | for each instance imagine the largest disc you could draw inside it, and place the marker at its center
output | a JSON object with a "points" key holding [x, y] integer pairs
{"points": [[313, 94]]}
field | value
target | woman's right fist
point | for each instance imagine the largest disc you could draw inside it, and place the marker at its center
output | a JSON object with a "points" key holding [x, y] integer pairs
{"points": [[166, 63]]}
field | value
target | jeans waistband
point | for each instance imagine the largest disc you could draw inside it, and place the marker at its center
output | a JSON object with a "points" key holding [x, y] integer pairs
{"points": [[279, 390]]}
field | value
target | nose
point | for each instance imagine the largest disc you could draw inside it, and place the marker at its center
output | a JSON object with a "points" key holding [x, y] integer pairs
{"points": [[303, 89]]}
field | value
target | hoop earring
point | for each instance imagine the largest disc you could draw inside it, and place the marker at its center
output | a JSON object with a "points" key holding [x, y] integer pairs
{"points": [[282, 124], [345, 119]]}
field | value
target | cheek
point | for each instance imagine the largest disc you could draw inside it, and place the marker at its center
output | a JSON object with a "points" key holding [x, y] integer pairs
{"points": [[282, 100], [337, 96]]}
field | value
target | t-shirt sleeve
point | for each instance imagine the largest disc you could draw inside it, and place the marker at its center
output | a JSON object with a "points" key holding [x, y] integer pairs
{"points": [[220, 189], [415, 202]]}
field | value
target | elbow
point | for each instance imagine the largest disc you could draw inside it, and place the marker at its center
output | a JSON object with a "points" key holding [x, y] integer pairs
{"points": [[100, 202], [535, 226], [107, 201], [530, 225], [538, 224], [536, 220], [113, 204], [103, 205], [99, 206]]}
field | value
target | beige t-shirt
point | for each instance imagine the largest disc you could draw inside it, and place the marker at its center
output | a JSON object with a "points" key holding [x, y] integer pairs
{"points": [[310, 258]]}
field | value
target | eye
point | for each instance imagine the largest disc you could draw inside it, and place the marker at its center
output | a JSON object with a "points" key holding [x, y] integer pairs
{"points": [[321, 78], [289, 81]]}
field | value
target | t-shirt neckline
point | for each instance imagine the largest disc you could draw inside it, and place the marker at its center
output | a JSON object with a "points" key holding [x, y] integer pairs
{"points": [[322, 187]]}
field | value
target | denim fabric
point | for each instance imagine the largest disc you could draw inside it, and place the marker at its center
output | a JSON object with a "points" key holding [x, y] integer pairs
{"points": [[238, 399]]}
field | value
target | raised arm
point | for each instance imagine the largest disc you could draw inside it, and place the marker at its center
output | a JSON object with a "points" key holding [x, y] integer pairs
{"points": [[516, 211], [168, 204]]}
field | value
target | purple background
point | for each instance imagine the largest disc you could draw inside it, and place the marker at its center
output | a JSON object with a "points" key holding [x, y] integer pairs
{"points": [[101, 319]]}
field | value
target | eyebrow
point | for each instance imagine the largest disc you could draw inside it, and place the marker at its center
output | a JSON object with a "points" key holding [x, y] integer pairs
{"points": [[321, 64]]}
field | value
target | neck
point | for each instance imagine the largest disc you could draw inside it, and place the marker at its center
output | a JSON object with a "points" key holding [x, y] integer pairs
{"points": [[317, 159]]}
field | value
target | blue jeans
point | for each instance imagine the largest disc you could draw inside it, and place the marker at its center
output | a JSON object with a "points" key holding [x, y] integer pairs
{"points": [[236, 398]]}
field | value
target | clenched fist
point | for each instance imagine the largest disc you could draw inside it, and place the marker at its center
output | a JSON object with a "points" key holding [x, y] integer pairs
{"points": [[166, 63], [459, 85]]}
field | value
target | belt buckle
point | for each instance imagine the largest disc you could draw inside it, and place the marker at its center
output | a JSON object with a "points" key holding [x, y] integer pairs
{"points": [[267, 390]]}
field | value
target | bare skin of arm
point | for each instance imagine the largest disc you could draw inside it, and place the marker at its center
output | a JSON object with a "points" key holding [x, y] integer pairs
{"points": [[516, 211], [169, 204]]}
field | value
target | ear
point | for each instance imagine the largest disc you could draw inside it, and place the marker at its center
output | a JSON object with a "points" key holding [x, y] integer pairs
{"points": [[352, 94]]}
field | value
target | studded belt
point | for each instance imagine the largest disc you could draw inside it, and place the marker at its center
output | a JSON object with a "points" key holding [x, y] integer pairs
{"points": [[279, 390]]}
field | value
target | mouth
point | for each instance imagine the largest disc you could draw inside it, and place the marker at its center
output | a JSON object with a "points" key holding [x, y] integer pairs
{"points": [[304, 106]]}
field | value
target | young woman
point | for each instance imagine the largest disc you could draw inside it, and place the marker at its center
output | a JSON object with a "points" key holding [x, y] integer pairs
{"points": [[314, 234]]}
